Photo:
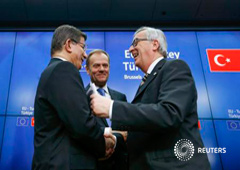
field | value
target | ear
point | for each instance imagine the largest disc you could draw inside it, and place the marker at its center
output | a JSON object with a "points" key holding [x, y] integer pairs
{"points": [[88, 70], [68, 46], [156, 45]]}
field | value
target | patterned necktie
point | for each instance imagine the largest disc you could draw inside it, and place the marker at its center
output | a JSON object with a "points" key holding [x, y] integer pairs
{"points": [[101, 91], [144, 79]]}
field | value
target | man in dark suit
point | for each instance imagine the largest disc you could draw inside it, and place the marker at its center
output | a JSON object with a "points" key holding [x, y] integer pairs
{"points": [[162, 119], [66, 134], [97, 66]]}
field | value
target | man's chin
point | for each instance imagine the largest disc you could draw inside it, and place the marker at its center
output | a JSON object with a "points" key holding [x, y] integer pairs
{"points": [[80, 66], [101, 83], [136, 64]]}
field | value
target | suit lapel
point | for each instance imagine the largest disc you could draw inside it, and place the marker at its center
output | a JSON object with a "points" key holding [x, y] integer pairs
{"points": [[112, 94], [150, 77]]}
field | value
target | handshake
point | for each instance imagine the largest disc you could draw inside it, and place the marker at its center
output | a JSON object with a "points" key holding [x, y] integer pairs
{"points": [[100, 107], [110, 141]]}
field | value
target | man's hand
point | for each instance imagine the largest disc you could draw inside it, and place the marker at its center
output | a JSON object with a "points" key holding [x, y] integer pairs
{"points": [[123, 133], [100, 105], [110, 141]]}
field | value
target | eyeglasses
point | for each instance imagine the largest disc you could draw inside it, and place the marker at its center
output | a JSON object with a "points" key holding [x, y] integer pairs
{"points": [[137, 40], [84, 46]]}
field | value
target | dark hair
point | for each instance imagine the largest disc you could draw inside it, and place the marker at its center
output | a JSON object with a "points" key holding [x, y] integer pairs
{"points": [[96, 51], [62, 33]]}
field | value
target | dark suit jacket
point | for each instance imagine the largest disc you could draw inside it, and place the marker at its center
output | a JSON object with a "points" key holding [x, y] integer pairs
{"points": [[66, 135], [118, 161], [163, 111]]}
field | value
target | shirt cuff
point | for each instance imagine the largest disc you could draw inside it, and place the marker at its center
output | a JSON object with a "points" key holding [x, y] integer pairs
{"points": [[115, 142], [108, 130], [110, 110]]}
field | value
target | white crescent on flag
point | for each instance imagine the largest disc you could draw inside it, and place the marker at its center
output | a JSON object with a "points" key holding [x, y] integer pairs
{"points": [[216, 60]]}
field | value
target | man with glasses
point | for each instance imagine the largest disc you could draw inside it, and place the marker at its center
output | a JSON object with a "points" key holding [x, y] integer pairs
{"points": [[162, 120], [66, 134]]}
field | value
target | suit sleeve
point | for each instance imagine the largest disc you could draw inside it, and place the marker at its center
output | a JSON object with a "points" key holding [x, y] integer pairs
{"points": [[118, 97], [121, 148], [68, 97], [124, 98], [176, 97]]}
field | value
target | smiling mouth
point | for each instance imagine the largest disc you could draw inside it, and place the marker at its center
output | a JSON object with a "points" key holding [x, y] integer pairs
{"points": [[134, 55], [101, 75]]}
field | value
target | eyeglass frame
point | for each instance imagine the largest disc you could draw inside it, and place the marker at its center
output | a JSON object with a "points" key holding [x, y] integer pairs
{"points": [[84, 47], [137, 40]]}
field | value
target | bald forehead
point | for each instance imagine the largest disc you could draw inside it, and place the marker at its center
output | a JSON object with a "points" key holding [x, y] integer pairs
{"points": [[98, 55]]}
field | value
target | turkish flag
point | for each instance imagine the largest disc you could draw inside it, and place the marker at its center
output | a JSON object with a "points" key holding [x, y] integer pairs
{"points": [[32, 121], [199, 125], [224, 60]]}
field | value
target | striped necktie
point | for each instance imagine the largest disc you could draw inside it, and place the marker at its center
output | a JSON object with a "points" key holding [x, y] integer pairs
{"points": [[144, 79]]}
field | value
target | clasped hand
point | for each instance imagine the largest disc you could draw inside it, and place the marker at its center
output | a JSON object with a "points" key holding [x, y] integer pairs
{"points": [[110, 141]]}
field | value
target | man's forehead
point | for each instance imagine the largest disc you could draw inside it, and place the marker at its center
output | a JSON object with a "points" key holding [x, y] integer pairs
{"points": [[99, 58], [99, 55], [82, 40], [140, 34]]}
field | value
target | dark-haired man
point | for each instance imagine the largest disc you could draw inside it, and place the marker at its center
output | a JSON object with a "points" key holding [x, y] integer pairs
{"points": [[66, 135]]}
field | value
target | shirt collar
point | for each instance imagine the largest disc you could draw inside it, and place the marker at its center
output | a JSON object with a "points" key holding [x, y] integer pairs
{"points": [[151, 67], [104, 87], [63, 59]]}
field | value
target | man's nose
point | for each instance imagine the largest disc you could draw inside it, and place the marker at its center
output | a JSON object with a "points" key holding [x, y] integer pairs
{"points": [[85, 55], [131, 49], [101, 68]]}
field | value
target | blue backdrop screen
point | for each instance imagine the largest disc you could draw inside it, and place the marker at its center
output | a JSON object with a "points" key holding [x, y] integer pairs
{"points": [[6, 56], [32, 54], [223, 87], [228, 136], [17, 150], [209, 140], [24, 55]]}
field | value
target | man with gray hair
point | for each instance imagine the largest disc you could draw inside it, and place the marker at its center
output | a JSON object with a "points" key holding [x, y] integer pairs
{"points": [[162, 120]]}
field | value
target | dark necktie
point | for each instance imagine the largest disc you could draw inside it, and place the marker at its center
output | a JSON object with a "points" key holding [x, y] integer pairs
{"points": [[101, 91], [144, 79]]}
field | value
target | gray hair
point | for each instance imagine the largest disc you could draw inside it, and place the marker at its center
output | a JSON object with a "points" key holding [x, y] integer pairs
{"points": [[156, 34]]}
